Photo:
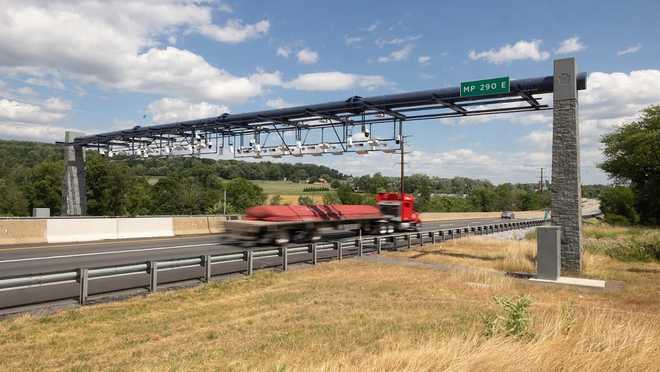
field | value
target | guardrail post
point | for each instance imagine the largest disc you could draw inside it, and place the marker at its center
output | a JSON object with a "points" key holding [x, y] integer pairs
{"points": [[284, 252], [314, 253], [83, 279], [339, 248], [379, 245], [409, 237], [153, 276], [359, 247], [420, 236], [249, 259], [432, 237], [206, 266]]}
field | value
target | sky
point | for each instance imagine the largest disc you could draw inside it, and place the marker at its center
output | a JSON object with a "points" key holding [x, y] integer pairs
{"points": [[97, 66]]}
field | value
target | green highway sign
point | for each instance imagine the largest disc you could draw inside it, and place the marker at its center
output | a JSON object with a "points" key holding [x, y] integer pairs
{"points": [[485, 87]]}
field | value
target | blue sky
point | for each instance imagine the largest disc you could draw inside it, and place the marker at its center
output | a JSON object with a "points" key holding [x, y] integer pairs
{"points": [[100, 66]]}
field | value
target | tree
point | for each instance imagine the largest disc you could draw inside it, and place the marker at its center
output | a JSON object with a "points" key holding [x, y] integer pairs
{"points": [[618, 204], [276, 200], [12, 200], [632, 155], [243, 194], [331, 198], [305, 200], [347, 196], [483, 199], [45, 186]]}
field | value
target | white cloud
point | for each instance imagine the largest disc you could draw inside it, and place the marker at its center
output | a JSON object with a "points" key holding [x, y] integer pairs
{"points": [[235, 31], [31, 132], [167, 110], [397, 40], [283, 52], [397, 55], [352, 40], [264, 78], [612, 99], [307, 56], [278, 103], [570, 45], [50, 111], [225, 8], [519, 51], [335, 80], [116, 45], [372, 27], [424, 60], [630, 50], [541, 138]]}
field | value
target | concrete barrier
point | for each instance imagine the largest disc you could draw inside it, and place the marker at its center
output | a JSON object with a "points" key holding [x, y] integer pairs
{"points": [[80, 229], [22, 231], [62, 230], [144, 227], [216, 224], [190, 225]]}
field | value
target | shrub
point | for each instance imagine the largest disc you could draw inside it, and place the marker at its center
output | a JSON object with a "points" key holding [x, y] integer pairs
{"points": [[305, 200], [276, 200], [512, 320], [331, 198], [616, 219], [619, 202]]}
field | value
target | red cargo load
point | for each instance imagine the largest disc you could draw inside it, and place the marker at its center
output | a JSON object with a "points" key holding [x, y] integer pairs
{"points": [[336, 212]]}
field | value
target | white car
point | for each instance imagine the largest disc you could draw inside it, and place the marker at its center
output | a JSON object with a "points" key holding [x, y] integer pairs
{"points": [[508, 215]]}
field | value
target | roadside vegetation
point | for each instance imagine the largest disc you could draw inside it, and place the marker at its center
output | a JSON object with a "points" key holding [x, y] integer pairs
{"points": [[368, 316], [632, 161]]}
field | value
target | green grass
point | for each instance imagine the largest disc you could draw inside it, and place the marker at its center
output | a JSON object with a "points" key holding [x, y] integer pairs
{"points": [[623, 243], [284, 187]]}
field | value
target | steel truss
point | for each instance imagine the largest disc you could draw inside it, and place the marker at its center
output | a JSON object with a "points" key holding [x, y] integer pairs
{"points": [[319, 129]]}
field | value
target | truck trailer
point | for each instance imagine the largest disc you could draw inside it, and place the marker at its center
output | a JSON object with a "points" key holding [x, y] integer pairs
{"points": [[281, 224]]}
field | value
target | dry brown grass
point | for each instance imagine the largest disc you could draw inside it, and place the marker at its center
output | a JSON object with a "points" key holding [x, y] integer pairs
{"points": [[483, 252], [354, 315]]}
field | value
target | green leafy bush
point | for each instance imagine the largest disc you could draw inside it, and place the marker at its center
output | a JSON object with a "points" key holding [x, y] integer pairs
{"points": [[512, 320], [618, 205], [305, 200]]}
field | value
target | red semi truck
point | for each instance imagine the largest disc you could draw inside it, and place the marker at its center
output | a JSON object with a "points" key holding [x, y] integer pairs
{"points": [[280, 224]]}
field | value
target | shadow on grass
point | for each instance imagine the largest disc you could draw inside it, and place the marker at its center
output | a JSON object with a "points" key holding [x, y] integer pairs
{"points": [[458, 255]]}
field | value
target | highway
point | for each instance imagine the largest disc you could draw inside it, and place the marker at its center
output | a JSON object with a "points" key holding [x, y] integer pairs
{"points": [[34, 261], [42, 258]]}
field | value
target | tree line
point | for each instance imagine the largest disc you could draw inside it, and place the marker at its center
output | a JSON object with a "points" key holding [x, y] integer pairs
{"points": [[632, 160], [31, 177]]}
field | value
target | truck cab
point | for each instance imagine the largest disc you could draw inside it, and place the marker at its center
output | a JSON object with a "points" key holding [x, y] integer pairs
{"points": [[399, 211]]}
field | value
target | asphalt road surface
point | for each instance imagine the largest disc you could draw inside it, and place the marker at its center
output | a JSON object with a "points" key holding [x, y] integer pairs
{"points": [[44, 258]]}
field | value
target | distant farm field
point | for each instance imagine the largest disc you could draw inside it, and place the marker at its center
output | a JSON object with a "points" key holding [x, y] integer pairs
{"points": [[366, 315], [285, 188]]}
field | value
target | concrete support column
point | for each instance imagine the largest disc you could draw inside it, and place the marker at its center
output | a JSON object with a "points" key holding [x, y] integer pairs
{"points": [[566, 194], [74, 190]]}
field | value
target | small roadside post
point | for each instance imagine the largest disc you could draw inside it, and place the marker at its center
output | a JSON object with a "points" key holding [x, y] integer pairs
{"points": [[548, 246]]}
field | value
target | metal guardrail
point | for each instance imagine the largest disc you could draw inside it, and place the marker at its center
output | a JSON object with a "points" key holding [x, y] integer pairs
{"points": [[281, 257]]}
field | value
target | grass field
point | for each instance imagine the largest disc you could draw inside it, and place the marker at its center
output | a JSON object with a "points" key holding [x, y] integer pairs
{"points": [[354, 315], [285, 188]]}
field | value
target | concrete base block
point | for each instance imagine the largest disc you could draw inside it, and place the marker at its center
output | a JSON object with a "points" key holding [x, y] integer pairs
{"points": [[580, 282]]}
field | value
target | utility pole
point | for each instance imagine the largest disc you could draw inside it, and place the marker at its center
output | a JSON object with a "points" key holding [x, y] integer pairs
{"points": [[541, 183], [401, 149], [224, 203]]}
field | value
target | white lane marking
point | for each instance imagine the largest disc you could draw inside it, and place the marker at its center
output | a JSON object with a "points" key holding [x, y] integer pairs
{"points": [[102, 242], [103, 253]]}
